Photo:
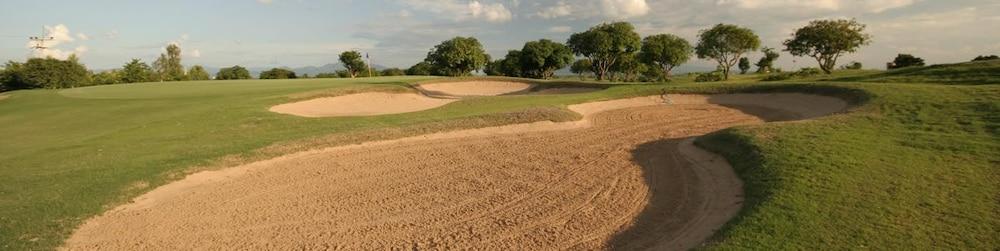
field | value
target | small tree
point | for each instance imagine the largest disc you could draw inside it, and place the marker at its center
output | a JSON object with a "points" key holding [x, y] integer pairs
{"points": [[420, 69], [605, 44], [726, 44], [906, 60], [766, 63], [353, 62], [744, 65], [459, 56], [629, 67], [235, 72], [540, 59], [510, 65], [581, 67], [827, 40], [197, 73], [136, 71], [50, 73], [278, 73], [109, 77], [168, 66], [665, 51]]}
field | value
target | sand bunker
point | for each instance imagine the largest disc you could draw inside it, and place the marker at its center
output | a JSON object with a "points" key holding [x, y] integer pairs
{"points": [[624, 177], [474, 88], [361, 104]]}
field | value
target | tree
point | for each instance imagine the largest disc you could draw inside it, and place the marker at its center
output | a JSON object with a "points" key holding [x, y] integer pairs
{"points": [[492, 68], [107, 77], [235, 72], [629, 67], [540, 59], [420, 69], [168, 66], [393, 72], [665, 51], [744, 65], [278, 73], [604, 44], [198, 72], [327, 75], [581, 67], [726, 44], [766, 63], [510, 65], [906, 60], [353, 62], [984, 58], [827, 40], [136, 71], [49, 73], [459, 56]]}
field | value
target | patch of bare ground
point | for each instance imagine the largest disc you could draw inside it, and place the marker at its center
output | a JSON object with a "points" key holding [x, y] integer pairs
{"points": [[473, 88], [624, 177]]}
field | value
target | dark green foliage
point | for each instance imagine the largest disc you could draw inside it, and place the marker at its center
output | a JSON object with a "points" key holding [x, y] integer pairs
{"points": [[802, 73], [509, 66], [278, 73], [327, 75], [627, 68], [766, 63], [235, 72], [168, 67], [459, 56], [605, 44], [582, 67], [665, 51], [827, 40], [984, 58], [49, 73], [906, 60], [198, 73], [540, 59], [726, 44], [744, 65], [393, 72], [136, 71], [107, 77], [353, 62], [420, 69], [714, 76]]}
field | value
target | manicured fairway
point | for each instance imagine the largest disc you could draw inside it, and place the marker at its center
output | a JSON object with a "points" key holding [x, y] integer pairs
{"points": [[914, 166]]}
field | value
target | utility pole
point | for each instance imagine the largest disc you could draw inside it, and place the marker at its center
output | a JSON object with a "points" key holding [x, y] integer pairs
{"points": [[40, 42]]}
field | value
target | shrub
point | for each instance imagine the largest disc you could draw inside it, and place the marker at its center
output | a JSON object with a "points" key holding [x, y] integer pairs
{"points": [[906, 60], [393, 72], [278, 73], [327, 75], [714, 76], [235, 72], [984, 58]]}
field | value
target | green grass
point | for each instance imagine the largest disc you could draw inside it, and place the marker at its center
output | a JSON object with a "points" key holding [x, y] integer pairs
{"points": [[969, 73], [914, 166]]}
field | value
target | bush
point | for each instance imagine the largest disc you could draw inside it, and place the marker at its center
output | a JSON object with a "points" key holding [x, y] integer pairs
{"points": [[327, 75], [235, 72], [278, 73], [48, 73], [906, 60], [984, 58], [714, 76], [802, 73], [393, 72]]}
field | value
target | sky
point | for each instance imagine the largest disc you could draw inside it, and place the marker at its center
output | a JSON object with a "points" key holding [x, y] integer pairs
{"points": [[398, 33]]}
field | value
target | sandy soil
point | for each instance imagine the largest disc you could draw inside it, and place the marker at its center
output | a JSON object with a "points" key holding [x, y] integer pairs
{"points": [[474, 88], [2, 97], [624, 177], [361, 104]]}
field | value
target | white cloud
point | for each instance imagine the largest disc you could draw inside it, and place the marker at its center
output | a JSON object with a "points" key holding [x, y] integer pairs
{"points": [[560, 29], [60, 35], [82, 36], [462, 11], [561, 9], [624, 8], [873, 6], [196, 53]]}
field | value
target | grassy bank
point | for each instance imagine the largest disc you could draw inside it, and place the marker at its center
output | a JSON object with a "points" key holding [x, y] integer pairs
{"points": [[913, 166]]}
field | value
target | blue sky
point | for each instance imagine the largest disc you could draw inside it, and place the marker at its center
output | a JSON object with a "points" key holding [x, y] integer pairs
{"points": [[265, 33]]}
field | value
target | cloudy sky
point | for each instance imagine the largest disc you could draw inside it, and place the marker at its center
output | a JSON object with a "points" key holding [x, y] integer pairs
{"points": [[265, 33]]}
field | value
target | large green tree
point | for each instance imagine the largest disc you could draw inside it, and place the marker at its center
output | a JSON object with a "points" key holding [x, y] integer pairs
{"points": [[665, 51], [235, 72], [136, 71], [726, 44], [629, 67], [459, 56], [827, 40], [420, 69], [541, 59], [353, 62], [278, 73], [197, 73], [605, 44], [581, 67], [47, 73], [510, 65], [168, 65]]}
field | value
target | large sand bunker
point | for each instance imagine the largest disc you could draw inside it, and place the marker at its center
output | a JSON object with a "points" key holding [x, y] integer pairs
{"points": [[361, 104], [474, 88], [624, 177]]}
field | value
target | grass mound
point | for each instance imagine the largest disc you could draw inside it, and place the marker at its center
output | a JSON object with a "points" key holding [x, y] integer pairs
{"points": [[970, 73]]}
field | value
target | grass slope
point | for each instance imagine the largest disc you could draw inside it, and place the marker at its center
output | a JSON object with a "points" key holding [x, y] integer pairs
{"points": [[914, 166], [970, 73]]}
